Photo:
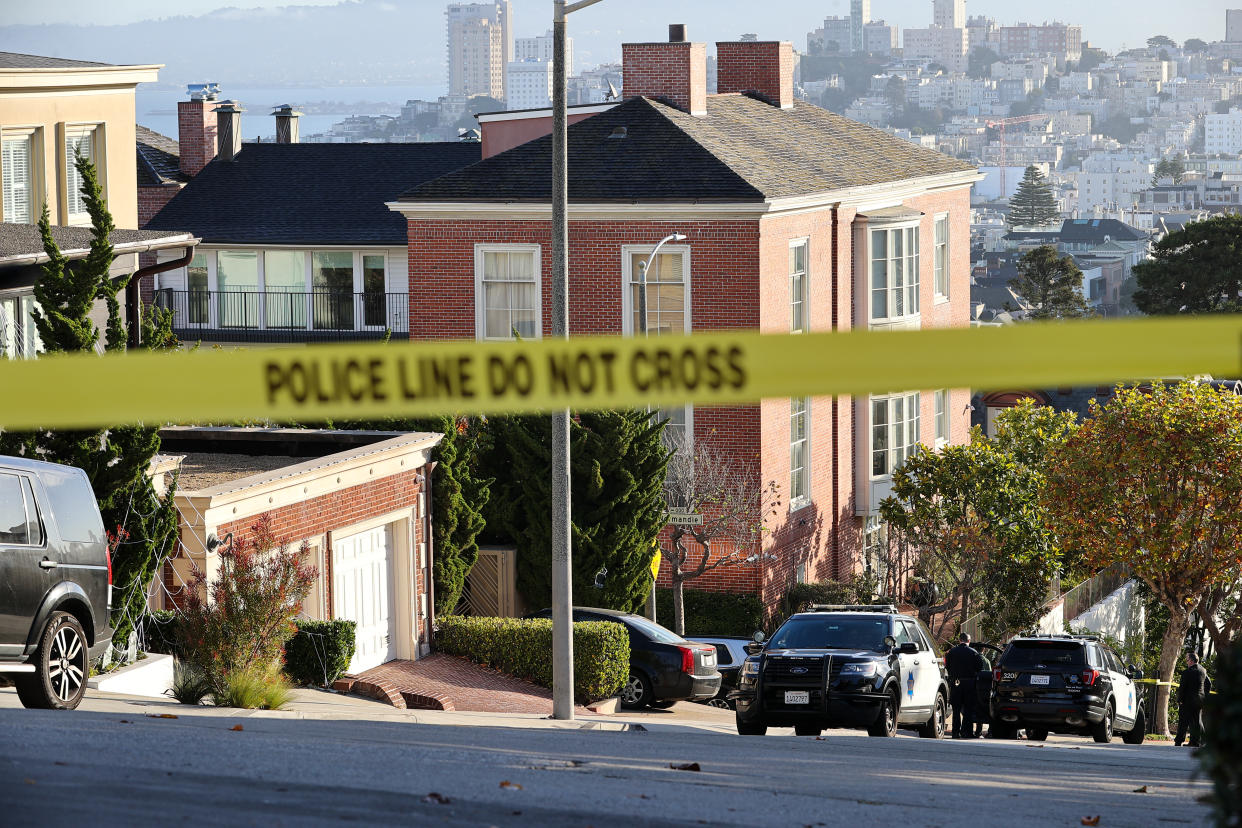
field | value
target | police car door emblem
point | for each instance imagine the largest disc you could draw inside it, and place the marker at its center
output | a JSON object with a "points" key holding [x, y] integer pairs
{"points": [[910, 685]]}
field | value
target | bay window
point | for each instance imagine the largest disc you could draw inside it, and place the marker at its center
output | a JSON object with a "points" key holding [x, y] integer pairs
{"points": [[894, 431], [894, 273]]}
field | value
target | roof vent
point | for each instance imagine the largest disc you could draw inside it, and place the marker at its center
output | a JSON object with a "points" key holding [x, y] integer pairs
{"points": [[203, 91], [676, 32], [618, 132]]}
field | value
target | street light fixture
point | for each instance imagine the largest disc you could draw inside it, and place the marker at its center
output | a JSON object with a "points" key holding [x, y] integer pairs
{"points": [[562, 598], [642, 279]]}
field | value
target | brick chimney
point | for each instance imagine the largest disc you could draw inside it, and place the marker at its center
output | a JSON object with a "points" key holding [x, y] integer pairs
{"points": [[675, 71], [286, 124], [196, 127], [228, 127], [763, 68]]}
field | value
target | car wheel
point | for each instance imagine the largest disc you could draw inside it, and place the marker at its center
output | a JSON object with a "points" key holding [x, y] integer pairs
{"points": [[885, 724], [59, 680], [807, 730], [1103, 732], [723, 704], [934, 729], [1036, 734], [637, 693], [1137, 733], [750, 728]]}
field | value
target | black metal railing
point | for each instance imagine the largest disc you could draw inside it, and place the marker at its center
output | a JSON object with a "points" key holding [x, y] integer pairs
{"points": [[266, 316]]}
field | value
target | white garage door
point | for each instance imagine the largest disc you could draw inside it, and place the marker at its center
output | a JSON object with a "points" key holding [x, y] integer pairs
{"points": [[362, 592]]}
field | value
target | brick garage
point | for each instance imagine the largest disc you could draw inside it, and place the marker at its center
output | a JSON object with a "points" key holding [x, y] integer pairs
{"points": [[362, 513], [744, 175]]}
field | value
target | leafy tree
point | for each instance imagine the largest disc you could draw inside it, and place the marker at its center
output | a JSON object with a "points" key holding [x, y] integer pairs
{"points": [[141, 524], [1154, 481], [1120, 128], [1193, 270], [973, 512], [616, 477], [1032, 203], [1194, 44], [1161, 42], [895, 91], [979, 62], [1034, 102], [1173, 168], [1051, 284], [1091, 58], [704, 480], [475, 105]]}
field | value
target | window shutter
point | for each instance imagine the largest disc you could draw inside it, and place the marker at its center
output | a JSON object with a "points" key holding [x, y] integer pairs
{"points": [[16, 180]]}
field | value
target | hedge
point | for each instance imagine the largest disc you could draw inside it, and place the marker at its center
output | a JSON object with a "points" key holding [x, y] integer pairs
{"points": [[523, 648], [713, 613], [1222, 752], [319, 652]]}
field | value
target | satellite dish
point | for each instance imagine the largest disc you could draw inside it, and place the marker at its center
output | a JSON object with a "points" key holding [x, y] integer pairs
{"points": [[612, 94]]}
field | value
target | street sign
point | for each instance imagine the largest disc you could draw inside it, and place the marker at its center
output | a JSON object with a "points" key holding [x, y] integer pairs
{"points": [[655, 564], [685, 519]]}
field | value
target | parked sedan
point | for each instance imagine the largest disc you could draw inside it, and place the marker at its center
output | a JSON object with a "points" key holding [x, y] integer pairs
{"points": [[664, 667], [730, 653]]}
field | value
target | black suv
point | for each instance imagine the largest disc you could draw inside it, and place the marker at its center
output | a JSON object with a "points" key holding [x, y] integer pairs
{"points": [[1065, 684], [844, 666], [55, 581]]}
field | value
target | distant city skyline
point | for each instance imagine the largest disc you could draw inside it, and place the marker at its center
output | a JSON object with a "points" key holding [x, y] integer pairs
{"points": [[1110, 25]]}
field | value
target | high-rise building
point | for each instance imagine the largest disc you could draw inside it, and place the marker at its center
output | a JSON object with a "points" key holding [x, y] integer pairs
{"points": [[860, 16], [540, 48], [480, 46], [1233, 25], [949, 14]]}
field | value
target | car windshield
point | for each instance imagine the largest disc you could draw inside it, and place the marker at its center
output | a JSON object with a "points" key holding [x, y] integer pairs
{"points": [[832, 632], [1023, 654], [658, 634]]}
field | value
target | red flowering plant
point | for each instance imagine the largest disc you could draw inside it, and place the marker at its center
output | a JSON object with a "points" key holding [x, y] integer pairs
{"points": [[239, 622]]}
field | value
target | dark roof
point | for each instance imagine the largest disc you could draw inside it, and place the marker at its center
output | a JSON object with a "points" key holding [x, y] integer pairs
{"points": [[1095, 230], [159, 159], [742, 150], [22, 241], [308, 193], [16, 60]]}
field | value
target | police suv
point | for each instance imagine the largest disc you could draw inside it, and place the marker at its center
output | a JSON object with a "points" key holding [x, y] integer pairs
{"points": [[868, 667]]}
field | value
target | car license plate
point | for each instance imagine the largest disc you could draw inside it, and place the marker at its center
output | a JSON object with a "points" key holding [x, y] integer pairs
{"points": [[797, 697], [1039, 679]]}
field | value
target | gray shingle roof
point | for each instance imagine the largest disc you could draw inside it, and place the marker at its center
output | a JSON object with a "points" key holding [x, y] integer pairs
{"points": [[1096, 231], [159, 158], [308, 193], [19, 241], [743, 150], [16, 60]]}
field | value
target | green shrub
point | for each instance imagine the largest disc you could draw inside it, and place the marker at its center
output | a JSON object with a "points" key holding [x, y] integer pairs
{"points": [[713, 613], [523, 648], [189, 685], [1222, 752], [319, 652], [253, 688]]}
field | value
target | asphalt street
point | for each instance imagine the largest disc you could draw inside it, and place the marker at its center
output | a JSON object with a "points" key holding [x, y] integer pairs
{"points": [[119, 763]]}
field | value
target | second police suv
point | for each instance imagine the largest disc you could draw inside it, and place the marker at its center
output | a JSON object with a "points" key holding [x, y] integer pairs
{"points": [[867, 667]]}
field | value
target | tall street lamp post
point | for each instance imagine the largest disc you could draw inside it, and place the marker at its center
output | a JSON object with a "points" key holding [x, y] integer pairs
{"points": [[562, 598]]}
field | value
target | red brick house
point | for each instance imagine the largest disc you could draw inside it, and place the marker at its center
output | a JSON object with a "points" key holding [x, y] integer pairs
{"points": [[796, 220]]}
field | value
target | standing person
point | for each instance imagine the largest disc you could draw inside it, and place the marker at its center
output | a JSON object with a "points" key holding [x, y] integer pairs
{"points": [[1195, 685], [964, 665], [982, 714]]}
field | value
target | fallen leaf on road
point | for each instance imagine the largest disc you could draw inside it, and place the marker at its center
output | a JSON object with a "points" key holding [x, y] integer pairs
{"points": [[161, 716], [125, 721], [1095, 820], [439, 799], [29, 781], [1140, 790], [513, 786], [820, 739], [237, 727], [61, 763], [688, 766]]}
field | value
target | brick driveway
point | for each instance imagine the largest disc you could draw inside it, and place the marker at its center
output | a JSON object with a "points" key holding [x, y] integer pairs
{"points": [[444, 682]]}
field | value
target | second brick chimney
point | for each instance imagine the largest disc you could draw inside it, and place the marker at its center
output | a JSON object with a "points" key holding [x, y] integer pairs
{"points": [[196, 128], [763, 68], [675, 71]]}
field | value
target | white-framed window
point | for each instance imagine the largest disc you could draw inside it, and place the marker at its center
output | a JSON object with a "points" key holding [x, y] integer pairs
{"points": [[679, 430], [894, 431], [198, 287], [941, 255], [18, 149], [894, 272], [83, 140], [874, 545], [668, 289], [799, 310], [237, 288], [19, 338], [507, 291], [799, 452], [942, 417]]}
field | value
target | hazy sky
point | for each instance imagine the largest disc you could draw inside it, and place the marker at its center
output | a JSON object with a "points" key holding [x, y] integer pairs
{"points": [[1108, 23]]}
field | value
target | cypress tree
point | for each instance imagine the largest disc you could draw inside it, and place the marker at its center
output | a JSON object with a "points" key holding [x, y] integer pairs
{"points": [[1033, 203], [141, 525], [1052, 284]]}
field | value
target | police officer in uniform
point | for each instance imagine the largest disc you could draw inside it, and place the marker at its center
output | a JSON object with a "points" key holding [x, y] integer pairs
{"points": [[1194, 688], [964, 665]]}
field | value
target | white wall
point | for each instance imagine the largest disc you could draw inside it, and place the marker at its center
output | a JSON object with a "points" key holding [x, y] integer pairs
{"points": [[1121, 615]]}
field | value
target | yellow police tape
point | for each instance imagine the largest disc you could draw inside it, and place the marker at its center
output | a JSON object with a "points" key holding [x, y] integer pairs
{"points": [[309, 383]]}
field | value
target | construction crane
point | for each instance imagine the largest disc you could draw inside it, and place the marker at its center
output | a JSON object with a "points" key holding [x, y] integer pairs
{"points": [[1000, 125]]}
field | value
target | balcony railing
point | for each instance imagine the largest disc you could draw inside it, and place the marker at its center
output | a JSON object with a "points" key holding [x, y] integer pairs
{"points": [[254, 316]]}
